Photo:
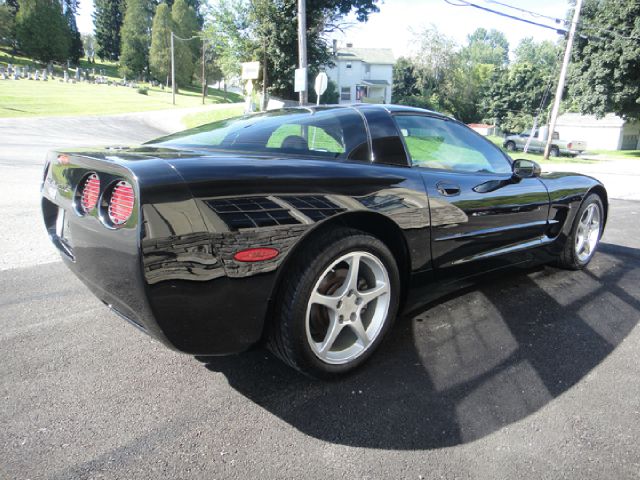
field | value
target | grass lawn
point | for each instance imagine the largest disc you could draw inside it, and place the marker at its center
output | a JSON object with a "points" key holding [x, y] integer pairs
{"points": [[20, 98], [616, 154]]}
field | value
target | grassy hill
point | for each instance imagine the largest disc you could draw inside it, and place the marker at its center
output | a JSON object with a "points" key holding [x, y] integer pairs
{"points": [[24, 97]]}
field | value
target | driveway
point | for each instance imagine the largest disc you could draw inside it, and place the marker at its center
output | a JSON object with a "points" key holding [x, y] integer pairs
{"points": [[529, 374]]}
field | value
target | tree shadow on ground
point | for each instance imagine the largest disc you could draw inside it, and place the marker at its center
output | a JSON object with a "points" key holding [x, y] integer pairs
{"points": [[465, 366]]}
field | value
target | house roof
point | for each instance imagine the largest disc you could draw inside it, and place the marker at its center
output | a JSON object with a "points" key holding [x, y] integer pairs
{"points": [[479, 125], [382, 56], [375, 83]]}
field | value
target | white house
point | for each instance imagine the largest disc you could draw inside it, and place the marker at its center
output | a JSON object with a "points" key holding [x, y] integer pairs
{"points": [[362, 74], [608, 133]]}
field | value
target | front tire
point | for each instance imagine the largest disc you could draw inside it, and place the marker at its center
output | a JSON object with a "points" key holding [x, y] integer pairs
{"points": [[585, 234], [338, 301], [511, 146]]}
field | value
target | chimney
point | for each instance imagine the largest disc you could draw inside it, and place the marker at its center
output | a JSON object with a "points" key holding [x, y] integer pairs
{"points": [[349, 45], [335, 46]]}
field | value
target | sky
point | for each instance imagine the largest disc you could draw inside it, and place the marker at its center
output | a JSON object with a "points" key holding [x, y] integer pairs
{"points": [[392, 27]]}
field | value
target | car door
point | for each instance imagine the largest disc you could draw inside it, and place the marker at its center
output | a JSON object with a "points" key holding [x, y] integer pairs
{"points": [[481, 215]]}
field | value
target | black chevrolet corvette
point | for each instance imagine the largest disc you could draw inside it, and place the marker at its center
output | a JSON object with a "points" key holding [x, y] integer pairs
{"points": [[307, 229]]}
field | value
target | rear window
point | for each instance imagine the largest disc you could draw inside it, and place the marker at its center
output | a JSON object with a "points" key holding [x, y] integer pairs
{"points": [[335, 134]]}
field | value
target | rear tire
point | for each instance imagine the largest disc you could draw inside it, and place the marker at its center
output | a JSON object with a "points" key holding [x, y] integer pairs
{"points": [[554, 152], [336, 304], [585, 234]]}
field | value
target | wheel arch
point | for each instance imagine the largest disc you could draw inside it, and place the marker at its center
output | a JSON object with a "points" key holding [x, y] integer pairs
{"points": [[602, 193], [375, 224]]}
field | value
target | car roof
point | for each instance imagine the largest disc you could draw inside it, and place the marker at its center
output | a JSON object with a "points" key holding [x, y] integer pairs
{"points": [[389, 108]]}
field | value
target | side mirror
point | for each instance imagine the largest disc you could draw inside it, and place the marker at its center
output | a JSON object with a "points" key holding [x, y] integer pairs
{"points": [[526, 169]]}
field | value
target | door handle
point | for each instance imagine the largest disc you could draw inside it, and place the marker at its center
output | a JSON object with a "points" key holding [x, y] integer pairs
{"points": [[448, 189]]}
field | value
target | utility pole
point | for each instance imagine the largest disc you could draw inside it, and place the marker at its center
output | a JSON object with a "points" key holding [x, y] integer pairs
{"points": [[204, 78], [302, 43], [263, 107], [562, 79], [173, 72]]}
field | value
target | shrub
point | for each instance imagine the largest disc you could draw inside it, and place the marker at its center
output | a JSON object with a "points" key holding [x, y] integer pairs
{"points": [[143, 90]]}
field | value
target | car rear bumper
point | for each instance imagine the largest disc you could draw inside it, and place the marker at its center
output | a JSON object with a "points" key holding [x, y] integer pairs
{"points": [[166, 284]]}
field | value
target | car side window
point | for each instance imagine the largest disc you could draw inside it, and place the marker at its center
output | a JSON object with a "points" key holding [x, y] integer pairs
{"points": [[316, 139], [447, 145]]}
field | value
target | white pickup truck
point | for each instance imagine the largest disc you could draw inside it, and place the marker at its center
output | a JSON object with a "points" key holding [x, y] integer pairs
{"points": [[539, 140]]}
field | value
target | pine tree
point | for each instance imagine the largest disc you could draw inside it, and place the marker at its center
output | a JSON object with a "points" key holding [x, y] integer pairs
{"points": [[41, 30], [160, 53], [107, 18], [186, 51], [134, 55], [76, 49]]}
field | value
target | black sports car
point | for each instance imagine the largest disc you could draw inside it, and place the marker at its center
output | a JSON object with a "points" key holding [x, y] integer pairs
{"points": [[306, 228]]}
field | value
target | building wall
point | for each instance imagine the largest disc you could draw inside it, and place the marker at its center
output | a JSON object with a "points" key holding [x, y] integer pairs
{"points": [[597, 137], [630, 136], [350, 77]]}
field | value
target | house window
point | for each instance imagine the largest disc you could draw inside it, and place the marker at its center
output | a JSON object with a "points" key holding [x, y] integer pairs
{"points": [[367, 68], [345, 93], [349, 65]]}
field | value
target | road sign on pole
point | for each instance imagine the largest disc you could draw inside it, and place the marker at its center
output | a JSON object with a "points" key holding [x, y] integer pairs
{"points": [[300, 83], [250, 70], [320, 85]]}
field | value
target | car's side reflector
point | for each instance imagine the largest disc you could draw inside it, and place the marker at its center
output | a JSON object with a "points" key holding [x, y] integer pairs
{"points": [[256, 254]]}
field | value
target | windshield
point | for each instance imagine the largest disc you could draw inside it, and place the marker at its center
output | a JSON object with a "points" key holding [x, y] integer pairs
{"points": [[332, 133]]}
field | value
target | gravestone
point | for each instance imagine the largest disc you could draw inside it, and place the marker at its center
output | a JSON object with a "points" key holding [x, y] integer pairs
{"points": [[93, 71], [66, 76], [77, 73], [37, 75], [44, 75]]}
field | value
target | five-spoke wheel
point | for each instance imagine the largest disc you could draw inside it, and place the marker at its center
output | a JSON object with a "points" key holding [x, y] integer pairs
{"points": [[337, 304]]}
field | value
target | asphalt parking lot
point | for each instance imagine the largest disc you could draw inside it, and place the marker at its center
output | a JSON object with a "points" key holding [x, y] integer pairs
{"points": [[529, 374]]}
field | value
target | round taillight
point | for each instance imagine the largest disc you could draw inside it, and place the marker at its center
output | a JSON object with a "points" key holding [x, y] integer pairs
{"points": [[121, 203], [90, 193]]}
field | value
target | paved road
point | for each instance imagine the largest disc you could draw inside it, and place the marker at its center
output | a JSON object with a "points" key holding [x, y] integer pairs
{"points": [[532, 374]]}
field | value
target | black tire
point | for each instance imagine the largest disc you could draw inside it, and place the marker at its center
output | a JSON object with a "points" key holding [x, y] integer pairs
{"points": [[568, 258], [510, 146], [554, 152], [287, 336]]}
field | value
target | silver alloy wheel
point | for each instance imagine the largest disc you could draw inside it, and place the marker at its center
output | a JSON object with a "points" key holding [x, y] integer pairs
{"points": [[588, 232], [348, 307]]}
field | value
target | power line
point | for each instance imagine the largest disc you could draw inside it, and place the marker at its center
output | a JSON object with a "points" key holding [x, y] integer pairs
{"points": [[465, 3], [529, 12]]}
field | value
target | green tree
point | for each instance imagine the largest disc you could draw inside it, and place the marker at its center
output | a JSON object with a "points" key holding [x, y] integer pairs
{"points": [[487, 47], [605, 73], [242, 32], [76, 49], [89, 44], [7, 25], [108, 16], [515, 95], [543, 54], [160, 52], [41, 30], [187, 48], [405, 81], [134, 57]]}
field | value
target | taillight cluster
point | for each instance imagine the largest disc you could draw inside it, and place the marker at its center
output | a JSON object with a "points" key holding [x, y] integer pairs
{"points": [[121, 203], [90, 193], [114, 203]]}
